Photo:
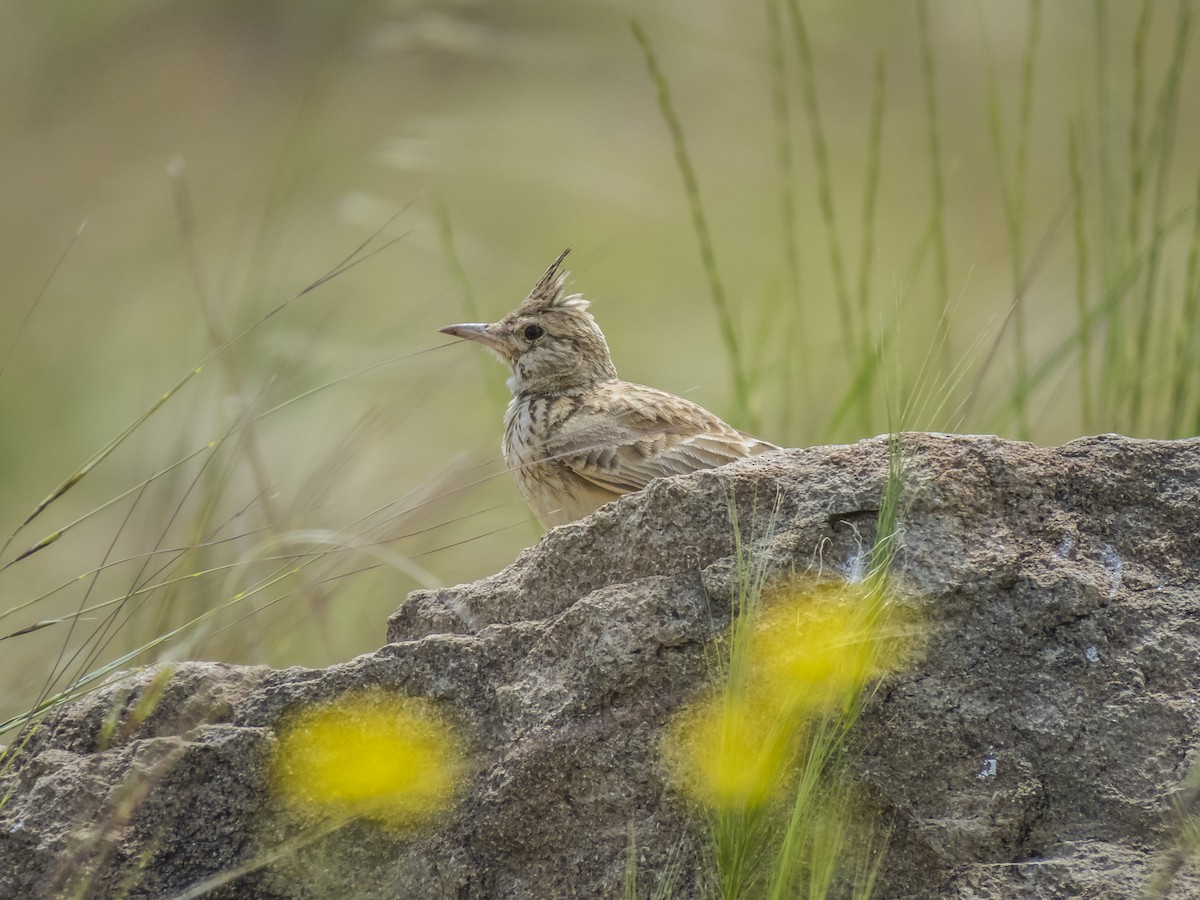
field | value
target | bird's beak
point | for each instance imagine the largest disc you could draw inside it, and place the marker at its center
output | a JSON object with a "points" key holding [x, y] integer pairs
{"points": [[473, 331]]}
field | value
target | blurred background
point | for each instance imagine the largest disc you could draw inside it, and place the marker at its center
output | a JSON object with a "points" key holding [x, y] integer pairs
{"points": [[943, 215]]}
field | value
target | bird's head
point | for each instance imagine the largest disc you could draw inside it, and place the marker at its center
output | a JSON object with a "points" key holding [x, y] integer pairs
{"points": [[551, 342]]}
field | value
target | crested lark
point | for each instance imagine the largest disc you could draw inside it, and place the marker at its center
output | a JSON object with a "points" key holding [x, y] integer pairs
{"points": [[575, 435]]}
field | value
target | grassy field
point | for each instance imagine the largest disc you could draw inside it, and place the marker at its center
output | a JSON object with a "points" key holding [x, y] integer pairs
{"points": [[231, 232]]}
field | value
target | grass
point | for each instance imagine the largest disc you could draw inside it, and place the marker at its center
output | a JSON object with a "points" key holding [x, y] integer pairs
{"points": [[937, 220], [1014, 188], [1134, 341], [147, 583], [725, 323], [1141, 352]]}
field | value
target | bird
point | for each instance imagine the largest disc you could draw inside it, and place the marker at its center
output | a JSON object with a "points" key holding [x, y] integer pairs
{"points": [[575, 435]]}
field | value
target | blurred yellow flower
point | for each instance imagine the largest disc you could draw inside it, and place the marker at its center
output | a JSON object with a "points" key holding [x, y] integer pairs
{"points": [[369, 754], [809, 653], [728, 753], [819, 647]]}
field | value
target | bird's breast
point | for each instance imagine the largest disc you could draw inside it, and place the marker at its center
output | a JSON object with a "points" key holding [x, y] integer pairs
{"points": [[532, 423], [523, 427]]}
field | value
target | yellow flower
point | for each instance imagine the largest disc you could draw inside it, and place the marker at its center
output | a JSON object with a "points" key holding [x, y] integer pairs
{"points": [[379, 756], [818, 649], [728, 753]]}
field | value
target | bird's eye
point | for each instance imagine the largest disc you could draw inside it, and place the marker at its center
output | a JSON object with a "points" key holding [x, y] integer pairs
{"points": [[533, 332]]}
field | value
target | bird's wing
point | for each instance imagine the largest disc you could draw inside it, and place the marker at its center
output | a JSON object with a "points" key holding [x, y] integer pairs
{"points": [[628, 435]]}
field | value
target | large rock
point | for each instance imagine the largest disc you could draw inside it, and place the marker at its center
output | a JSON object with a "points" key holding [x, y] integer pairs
{"points": [[1034, 751]]}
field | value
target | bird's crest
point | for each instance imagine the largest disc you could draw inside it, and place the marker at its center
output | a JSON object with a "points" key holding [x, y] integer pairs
{"points": [[548, 292]]}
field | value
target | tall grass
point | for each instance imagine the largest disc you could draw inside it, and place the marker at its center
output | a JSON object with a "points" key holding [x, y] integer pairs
{"points": [[1014, 188], [1133, 236], [820, 153], [265, 559], [795, 370], [1146, 345], [725, 320], [937, 218]]}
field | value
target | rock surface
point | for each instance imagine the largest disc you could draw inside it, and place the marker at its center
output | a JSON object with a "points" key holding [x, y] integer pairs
{"points": [[1034, 751]]}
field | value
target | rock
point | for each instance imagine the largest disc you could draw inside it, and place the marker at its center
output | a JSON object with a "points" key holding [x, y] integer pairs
{"points": [[1033, 751]]}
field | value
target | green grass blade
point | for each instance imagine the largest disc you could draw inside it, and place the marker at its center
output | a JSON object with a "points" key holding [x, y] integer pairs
{"points": [[937, 185], [458, 272], [1082, 271], [358, 256], [787, 210], [37, 300], [1186, 361], [824, 179], [1137, 107], [725, 322], [1166, 118]]}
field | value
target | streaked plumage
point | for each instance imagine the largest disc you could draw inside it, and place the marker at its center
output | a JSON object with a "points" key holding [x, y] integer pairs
{"points": [[575, 435]]}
